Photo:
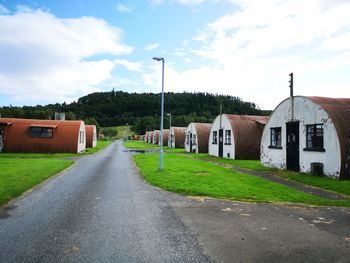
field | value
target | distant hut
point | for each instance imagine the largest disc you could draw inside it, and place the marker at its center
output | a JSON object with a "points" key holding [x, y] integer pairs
{"points": [[42, 136], [91, 136], [197, 137], [165, 137], [150, 137], [309, 134], [145, 138], [177, 136], [236, 136], [155, 138]]}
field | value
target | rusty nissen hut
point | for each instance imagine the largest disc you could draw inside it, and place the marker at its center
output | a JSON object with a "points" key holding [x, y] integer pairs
{"points": [[91, 136], [197, 137], [155, 138], [42, 136], [165, 137], [236, 136], [309, 134], [177, 136], [150, 137]]}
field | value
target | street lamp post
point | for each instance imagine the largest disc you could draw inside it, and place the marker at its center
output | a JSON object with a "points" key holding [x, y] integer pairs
{"points": [[161, 116], [171, 139]]}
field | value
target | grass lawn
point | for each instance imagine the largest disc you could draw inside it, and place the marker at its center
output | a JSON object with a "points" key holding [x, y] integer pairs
{"points": [[200, 178], [140, 145], [100, 145], [18, 175], [342, 187]]}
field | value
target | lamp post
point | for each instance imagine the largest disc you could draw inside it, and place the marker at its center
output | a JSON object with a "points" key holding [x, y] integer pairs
{"points": [[161, 116], [171, 139]]}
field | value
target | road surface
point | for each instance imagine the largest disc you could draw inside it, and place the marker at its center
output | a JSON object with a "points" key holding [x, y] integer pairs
{"points": [[102, 211]]}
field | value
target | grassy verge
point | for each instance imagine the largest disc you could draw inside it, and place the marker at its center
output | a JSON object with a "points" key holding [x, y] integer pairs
{"points": [[100, 146], [18, 175], [140, 145], [342, 187], [195, 177]]}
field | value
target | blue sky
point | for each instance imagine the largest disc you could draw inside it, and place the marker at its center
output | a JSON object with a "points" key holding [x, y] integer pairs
{"points": [[56, 51]]}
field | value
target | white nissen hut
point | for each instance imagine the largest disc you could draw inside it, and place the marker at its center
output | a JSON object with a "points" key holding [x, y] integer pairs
{"points": [[236, 136], [197, 136], [309, 134]]}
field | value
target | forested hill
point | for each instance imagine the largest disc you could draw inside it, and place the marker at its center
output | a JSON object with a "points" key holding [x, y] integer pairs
{"points": [[141, 110]]}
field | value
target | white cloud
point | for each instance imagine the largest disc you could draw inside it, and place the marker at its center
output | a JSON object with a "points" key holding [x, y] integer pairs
{"points": [[124, 8], [132, 66], [151, 46], [3, 10], [250, 52], [51, 59]]}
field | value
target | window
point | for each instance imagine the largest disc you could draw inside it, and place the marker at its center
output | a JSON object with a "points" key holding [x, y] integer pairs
{"points": [[41, 132], [228, 137], [215, 137], [187, 139], [81, 137], [275, 138], [194, 139], [314, 137]]}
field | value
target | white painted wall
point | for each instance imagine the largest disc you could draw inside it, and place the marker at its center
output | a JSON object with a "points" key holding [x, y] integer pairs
{"points": [[191, 129], [228, 150], [307, 113], [82, 144], [171, 138], [94, 138]]}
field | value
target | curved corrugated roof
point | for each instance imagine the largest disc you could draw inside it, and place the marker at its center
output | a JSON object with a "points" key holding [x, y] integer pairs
{"points": [[338, 110], [203, 132], [165, 137], [247, 132], [150, 137], [90, 130], [155, 138], [65, 139], [180, 136]]}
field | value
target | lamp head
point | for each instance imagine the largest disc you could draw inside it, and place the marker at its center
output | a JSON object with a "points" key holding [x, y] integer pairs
{"points": [[158, 59]]}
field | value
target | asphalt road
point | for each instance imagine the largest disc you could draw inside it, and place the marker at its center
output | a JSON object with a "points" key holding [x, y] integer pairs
{"points": [[102, 211]]}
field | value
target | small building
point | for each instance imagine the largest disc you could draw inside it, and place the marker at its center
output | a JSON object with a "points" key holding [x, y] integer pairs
{"points": [[91, 136], [177, 136], [155, 138], [165, 137], [145, 137], [309, 134], [150, 137], [197, 137], [236, 136], [42, 136]]}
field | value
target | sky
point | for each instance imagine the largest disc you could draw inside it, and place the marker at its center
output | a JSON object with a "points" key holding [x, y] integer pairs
{"points": [[59, 50]]}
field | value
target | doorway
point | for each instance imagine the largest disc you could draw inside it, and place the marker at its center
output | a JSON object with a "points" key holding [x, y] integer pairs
{"points": [[292, 130], [221, 142]]}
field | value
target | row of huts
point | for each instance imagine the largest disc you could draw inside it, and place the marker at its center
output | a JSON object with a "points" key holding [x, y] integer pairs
{"points": [[45, 136], [306, 134]]}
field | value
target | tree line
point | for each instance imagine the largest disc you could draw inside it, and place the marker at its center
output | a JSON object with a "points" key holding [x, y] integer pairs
{"points": [[140, 110]]}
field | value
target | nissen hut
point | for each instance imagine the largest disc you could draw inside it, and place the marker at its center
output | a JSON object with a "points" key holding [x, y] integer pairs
{"points": [[197, 136], [177, 137], [91, 136], [42, 136], [150, 137], [165, 137], [309, 134], [236, 136], [155, 139]]}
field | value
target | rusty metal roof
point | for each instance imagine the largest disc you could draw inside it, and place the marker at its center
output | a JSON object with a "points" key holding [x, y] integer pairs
{"points": [[338, 110], [180, 136], [247, 132], [150, 137], [65, 139], [165, 137], [203, 132], [89, 131], [155, 138]]}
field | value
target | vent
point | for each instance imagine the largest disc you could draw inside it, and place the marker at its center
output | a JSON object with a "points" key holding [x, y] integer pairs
{"points": [[228, 155], [317, 168]]}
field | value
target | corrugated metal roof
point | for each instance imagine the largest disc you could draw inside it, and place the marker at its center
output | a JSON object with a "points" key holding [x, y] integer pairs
{"points": [[43, 125], [247, 132], [338, 110], [203, 132], [65, 139], [89, 131], [165, 137], [155, 139], [180, 136]]}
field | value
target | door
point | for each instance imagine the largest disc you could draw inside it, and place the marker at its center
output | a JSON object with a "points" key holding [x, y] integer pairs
{"points": [[221, 142], [292, 146], [190, 142]]}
